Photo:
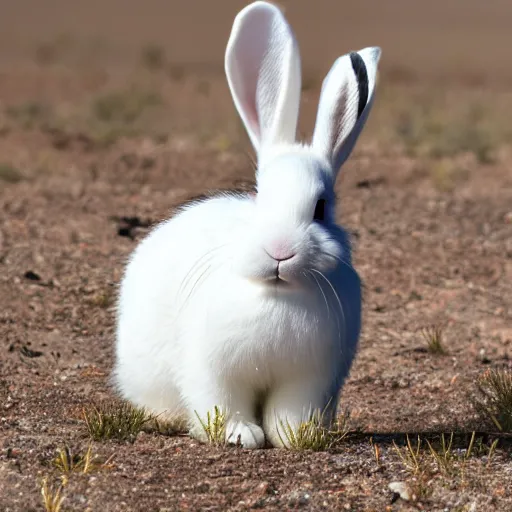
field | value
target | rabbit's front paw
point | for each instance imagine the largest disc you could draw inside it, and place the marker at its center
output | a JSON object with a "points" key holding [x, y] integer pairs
{"points": [[244, 433]]}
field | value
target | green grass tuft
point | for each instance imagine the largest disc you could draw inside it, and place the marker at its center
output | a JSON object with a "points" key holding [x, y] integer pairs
{"points": [[114, 420], [29, 115], [124, 106], [433, 336], [214, 426], [494, 398], [314, 434], [10, 174], [153, 57]]}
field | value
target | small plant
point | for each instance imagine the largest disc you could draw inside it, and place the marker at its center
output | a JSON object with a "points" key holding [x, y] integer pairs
{"points": [[215, 426], [448, 460], [410, 455], [469, 134], [124, 106], [103, 299], [52, 496], [444, 456], [494, 400], [492, 451], [112, 420], [10, 174], [28, 115], [433, 336], [67, 462], [376, 451], [314, 434], [445, 174], [153, 57]]}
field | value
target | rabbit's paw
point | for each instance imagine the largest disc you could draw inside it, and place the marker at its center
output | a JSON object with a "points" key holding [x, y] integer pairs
{"points": [[244, 433]]}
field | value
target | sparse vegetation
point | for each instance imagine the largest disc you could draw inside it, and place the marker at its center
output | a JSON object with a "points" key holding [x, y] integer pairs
{"points": [[68, 462], [10, 174], [469, 134], [433, 336], [410, 455], [124, 106], [446, 173], [441, 456], [102, 299], [52, 495], [153, 57], [427, 131], [494, 398], [214, 426], [115, 420], [28, 115], [444, 455], [313, 434], [129, 129]]}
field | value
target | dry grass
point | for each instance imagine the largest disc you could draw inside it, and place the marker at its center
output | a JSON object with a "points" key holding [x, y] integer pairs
{"points": [[442, 456], [68, 462], [52, 495], [314, 434], [428, 129], [433, 337], [494, 398], [410, 455], [114, 420], [445, 457]]}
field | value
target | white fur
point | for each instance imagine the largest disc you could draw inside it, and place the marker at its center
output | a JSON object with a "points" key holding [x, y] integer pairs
{"points": [[201, 320]]}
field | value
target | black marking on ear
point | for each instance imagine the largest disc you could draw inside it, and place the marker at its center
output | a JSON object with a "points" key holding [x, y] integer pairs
{"points": [[359, 68]]}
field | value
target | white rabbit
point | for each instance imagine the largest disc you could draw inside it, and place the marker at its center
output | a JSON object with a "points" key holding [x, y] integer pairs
{"points": [[249, 302]]}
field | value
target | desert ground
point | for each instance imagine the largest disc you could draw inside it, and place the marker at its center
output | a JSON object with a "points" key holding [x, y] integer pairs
{"points": [[112, 113]]}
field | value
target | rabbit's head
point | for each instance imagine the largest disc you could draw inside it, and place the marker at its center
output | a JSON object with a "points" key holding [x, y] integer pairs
{"points": [[294, 229]]}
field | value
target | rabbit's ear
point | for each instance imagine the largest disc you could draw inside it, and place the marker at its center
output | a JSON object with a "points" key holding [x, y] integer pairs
{"points": [[345, 102], [263, 71]]}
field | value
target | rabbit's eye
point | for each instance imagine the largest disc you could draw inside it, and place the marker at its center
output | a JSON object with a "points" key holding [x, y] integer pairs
{"points": [[320, 210]]}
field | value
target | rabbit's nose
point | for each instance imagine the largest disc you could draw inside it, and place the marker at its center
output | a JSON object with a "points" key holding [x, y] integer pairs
{"points": [[280, 253]]}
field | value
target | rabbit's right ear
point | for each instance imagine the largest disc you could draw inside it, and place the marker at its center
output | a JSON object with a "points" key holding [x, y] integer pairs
{"points": [[263, 71]]}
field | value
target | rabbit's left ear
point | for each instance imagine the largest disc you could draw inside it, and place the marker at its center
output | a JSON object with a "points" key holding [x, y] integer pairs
{"points": [[345, 102]]}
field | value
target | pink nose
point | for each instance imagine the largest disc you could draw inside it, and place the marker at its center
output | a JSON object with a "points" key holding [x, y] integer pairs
{"points": [[280, 252]]}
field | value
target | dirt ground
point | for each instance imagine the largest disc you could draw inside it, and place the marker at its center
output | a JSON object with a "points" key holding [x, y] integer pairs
{"points": [[97, 128]]}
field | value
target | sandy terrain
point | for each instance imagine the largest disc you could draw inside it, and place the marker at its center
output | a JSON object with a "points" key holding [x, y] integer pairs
{"points": [[119, 109]]}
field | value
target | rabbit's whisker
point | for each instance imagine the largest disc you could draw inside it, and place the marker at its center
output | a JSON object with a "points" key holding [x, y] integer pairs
{"points": [[308, 272], [337, 299]]}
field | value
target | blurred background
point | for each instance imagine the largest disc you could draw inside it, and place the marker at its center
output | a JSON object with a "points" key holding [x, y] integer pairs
{"points": [[114, 111], [68, 65], [457, 39]]}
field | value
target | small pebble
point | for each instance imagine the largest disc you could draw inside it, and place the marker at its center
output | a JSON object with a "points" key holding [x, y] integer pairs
{"points": [[402, 489]]}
